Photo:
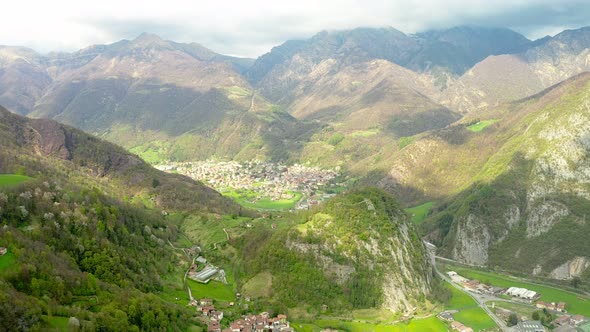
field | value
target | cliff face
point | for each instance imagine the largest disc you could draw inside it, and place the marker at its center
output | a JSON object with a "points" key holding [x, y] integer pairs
{"points": [[527, 207], [366, 233]]}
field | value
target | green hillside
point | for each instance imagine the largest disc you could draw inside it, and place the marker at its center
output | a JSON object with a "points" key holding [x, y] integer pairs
{"points": [[304, 260], [517, 189], [8, 180], [87, 236]]}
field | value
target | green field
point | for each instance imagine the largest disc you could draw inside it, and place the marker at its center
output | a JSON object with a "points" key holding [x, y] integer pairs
{"points": [[7, 180], [477, 127], [207, 231], [430, 324], [259, 286], [459, 300], [475, 318], [57, 323], [576, 303], [247, 199], [7, 261], [405, 141], [214, 290], [420, 212]]}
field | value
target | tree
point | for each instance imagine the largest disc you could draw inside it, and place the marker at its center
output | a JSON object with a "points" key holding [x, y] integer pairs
{"points": [[576, 281], [155, 183], [536, 315], [512, 319]]}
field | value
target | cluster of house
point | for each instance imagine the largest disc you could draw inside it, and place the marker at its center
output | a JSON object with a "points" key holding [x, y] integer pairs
{"points": [[206, 307], [260, 323], [3, 251], [568, 320], [551, 306], [477, 287], [456, 326], [249, 323], [266, 180], [474, 285]]}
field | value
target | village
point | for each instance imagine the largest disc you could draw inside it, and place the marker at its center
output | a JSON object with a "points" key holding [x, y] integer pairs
{"points": [[562, 322], [247, 323], [265, 180]]}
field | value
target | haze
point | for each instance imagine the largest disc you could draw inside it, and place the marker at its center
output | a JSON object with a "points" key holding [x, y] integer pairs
{"points": [[252, 28]]}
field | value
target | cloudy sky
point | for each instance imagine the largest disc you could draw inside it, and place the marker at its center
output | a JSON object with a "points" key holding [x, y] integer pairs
{"points": [[251, 28]]}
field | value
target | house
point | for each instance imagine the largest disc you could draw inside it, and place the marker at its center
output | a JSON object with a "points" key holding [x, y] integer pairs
{"points": [[3, 251], [460, 327], [562, 320], [446, 316], [193, 303], [561, 306], [206, 310], [497, 290], [201, 260], [541, 305], [214, 326], [205, 302], [530, 326], [216, 315]]}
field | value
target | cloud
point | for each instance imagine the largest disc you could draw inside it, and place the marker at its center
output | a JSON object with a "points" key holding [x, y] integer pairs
{"points": [[250, 28]]}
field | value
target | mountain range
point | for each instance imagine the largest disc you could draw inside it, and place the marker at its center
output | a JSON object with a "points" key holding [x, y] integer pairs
{"points": [[489, 126]]}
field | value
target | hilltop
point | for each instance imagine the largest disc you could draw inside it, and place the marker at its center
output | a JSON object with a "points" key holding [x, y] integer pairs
{"points": [[357, 250]]}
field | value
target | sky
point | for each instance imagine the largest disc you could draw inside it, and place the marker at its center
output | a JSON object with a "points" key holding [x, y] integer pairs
{"points": [[251, 28]]}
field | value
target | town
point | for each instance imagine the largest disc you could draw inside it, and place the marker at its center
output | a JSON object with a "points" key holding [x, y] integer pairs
{"points": [[247, 323], [263, 180], [554, 313]]}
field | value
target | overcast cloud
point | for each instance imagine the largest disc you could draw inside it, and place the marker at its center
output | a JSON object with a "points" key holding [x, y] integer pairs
{"points": [[253, 27]]}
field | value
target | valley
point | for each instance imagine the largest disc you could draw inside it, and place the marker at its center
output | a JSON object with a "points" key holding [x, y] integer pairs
{"points": [[365, 179]]}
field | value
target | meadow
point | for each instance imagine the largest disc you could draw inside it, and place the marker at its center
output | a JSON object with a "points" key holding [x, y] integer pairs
{"points": [[248, 199], [7, 180], [7, 261], [477, 127], [420, 212]]}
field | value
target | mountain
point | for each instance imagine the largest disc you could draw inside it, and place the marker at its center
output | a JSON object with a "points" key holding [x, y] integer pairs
{"points": [[167, 100], [23, 78], [509, 77], [87, 231], [40, 144], [358, 250], [515, 194]]}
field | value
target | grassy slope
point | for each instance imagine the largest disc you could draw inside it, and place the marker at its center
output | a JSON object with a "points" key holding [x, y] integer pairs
{"points": [[7, 261], [247, 199], [7, 180], [469, 313], [420, 212], [477, 127]]}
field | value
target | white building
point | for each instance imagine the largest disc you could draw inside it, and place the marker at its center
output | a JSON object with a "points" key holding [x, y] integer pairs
{"points": [[522, 293]]}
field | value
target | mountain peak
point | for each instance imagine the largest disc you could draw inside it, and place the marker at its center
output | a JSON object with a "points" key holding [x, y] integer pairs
{"points": [[148, 39]]}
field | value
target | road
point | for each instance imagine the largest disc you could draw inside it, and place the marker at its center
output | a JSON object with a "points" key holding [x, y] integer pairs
{"points": [[480, 299], [185, 284]]}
